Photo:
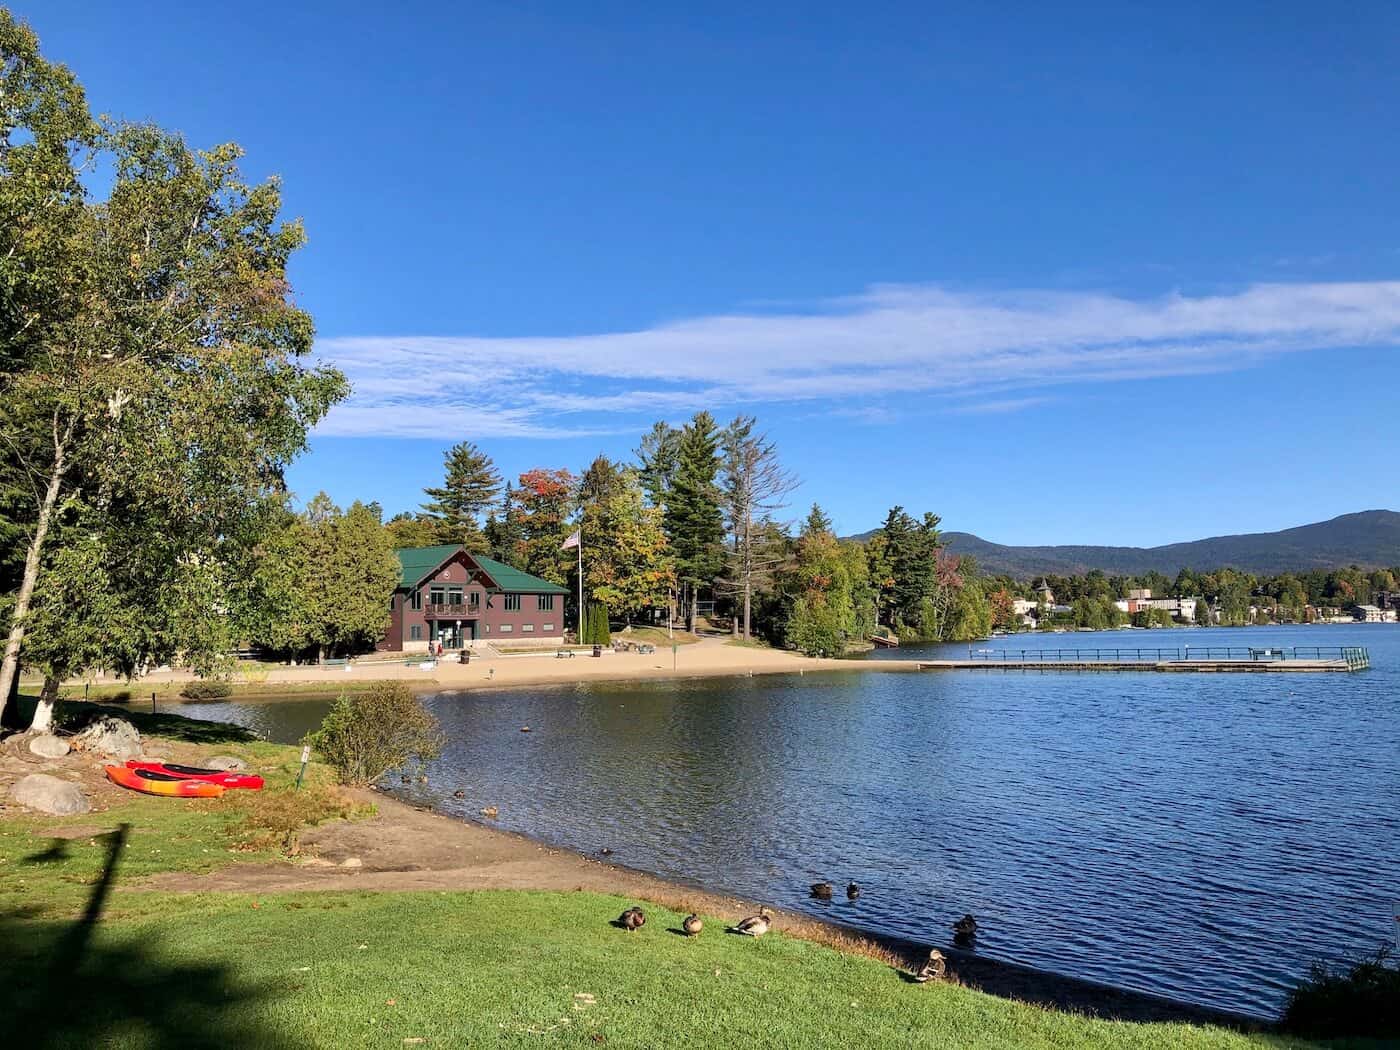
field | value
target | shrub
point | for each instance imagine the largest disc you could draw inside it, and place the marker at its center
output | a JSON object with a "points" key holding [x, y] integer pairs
{"points": [[367, 734], [274, 819], [1362, 999], [815, 629], [206, 691]]}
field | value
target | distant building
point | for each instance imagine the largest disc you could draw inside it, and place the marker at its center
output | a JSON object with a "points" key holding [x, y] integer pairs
{"points": [[1388, 599], [1374, 614], [1140, 593], [1182, 608]]}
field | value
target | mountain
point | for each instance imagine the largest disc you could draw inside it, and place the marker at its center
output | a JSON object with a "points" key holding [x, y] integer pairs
{"points": [[1370, 539]]}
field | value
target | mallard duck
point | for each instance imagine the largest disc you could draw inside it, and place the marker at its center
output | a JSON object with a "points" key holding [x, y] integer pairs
{"points": [[692, 925], [755, 925], [933, 970], [632, 919], [459, 793], [852, 891], [490, 812], [965, 928], [821, 891]]}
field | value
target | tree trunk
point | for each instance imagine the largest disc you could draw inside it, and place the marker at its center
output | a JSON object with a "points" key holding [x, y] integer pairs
{"points": [[43, 710], [9, 669], [747, 607]]}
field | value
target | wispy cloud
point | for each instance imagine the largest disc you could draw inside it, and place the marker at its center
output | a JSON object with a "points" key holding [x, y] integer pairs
{"points": [[854, 353], [997, 406]]}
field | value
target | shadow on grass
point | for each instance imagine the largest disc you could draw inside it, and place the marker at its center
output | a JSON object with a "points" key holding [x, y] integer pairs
{"points": [[75, 715], [70, 985], [55, 853]]}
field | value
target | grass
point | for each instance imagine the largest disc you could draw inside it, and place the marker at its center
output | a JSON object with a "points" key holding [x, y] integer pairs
{"points": [[657, 636], [500, 968], [138, 695], [461, 969]]}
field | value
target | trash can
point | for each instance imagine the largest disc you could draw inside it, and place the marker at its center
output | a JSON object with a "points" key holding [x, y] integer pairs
{"points": [[597, 649], [464, 657]]}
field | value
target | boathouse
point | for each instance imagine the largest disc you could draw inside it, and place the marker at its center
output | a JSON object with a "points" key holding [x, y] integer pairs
{"points": [[447, 594]]}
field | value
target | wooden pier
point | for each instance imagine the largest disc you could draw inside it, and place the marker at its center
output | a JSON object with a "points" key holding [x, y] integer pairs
{"points": [[1203, 659]]}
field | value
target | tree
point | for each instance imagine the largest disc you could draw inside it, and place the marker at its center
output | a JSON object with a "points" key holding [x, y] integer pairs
{"points": [[656, 459], [546, 500], [693, 519], [755, 484], [153, 390], [414, 530], [627, 561], [367, 734], [835, 602], [471, 485]]}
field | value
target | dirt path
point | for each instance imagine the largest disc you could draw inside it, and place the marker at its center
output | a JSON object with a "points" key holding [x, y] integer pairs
{"points": [[405, 848]]}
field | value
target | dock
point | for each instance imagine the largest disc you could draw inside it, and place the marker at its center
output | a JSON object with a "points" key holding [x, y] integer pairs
{"points": [[1202, 659]]}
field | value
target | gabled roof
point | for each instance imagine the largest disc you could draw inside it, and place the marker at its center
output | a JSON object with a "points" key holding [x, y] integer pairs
{"points": [[417, 563]]}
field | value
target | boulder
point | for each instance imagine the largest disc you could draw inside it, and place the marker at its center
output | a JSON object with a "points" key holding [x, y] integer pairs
{"points": [[50, 795], [110, 736], [225, 762], [46, 745]]}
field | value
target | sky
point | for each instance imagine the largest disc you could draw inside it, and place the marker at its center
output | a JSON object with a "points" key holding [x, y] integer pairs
{"points": [[1058, 273]]}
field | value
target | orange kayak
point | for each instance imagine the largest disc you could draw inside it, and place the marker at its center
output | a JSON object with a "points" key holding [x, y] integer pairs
{"points": [[153, 783]]}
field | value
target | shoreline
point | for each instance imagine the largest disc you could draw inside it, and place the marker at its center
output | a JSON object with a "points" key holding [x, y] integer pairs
{"points": [[407, 847]]}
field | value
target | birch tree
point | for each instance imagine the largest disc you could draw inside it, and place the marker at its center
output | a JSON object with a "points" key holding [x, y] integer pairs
{"points": [[152, 389]]}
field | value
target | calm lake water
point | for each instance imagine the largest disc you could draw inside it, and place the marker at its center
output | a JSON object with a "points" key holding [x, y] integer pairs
{"points": [[1198, 836]]}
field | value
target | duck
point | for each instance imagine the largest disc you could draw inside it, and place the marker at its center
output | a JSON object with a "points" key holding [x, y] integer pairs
{"points": [[490, 812], [632, 919], [459, 793], [692, 925], [852, 891], [821, 891], [933, 970], [755, 925], [965, 928]]}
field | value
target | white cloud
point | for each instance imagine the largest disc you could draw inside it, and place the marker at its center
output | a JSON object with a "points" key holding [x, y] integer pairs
{"points": [[854, 352]]}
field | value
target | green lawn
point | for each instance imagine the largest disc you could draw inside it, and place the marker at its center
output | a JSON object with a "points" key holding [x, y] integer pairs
{"points": [[462, 969]]}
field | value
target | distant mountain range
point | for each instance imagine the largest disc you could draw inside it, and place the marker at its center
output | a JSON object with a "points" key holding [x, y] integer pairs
{"points": [[1370, 539]]}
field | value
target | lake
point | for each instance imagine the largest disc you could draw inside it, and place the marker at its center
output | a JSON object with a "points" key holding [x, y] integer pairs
{"points": [[1200, 836]]}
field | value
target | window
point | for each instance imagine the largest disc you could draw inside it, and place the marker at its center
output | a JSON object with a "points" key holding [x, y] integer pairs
{"points": [[512, 603], [415, 632], [545, 603], [546, 627], [391, 602], [527, 628], [506, 628], [474, 600], [417, 600]]}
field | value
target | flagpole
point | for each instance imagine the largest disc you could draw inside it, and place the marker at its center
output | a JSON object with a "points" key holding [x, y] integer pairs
{"points": [[580, 585]]}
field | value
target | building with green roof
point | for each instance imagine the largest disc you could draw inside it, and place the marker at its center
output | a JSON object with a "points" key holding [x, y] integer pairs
{"points": [[450, 597]]}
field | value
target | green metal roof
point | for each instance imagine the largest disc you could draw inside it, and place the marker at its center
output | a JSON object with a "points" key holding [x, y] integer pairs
{"points": [[415, 563]]}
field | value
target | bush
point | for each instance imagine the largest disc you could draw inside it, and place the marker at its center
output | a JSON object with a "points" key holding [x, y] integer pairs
{"points": [[815, 629], [595, 625], [206, 691], [275, 819], [367, 734], [1362, 999]]}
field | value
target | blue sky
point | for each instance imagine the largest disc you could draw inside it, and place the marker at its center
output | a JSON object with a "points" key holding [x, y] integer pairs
{"points": [[1082, 275]]}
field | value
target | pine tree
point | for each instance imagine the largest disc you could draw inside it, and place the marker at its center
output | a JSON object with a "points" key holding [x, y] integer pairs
{"points": [[470, 486], [693, 519], [656, 461]]}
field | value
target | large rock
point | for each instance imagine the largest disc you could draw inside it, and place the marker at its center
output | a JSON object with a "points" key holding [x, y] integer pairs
{"points": [[110, 736], [225, 762], [46, 745], [50, 795]]}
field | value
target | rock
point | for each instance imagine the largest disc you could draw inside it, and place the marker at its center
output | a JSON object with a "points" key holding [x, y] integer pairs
{"points": [[351, 862], [225, 762], [110, 736], [50, 795], [157, 753], [47, 745]]}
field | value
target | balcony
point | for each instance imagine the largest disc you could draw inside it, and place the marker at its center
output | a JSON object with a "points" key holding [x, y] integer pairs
{"points": [[457, 611]]}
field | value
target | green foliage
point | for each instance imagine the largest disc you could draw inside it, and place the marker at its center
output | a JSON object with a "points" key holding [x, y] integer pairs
{"points": [[657, 457], [835, 602], [693, 520], [206, 690], [1360, 999], [153, 386], [274, 818], [416, 530], [595, 625], [543, 507], [816, 627], [469, 488], [367, 734], [627, 561]]}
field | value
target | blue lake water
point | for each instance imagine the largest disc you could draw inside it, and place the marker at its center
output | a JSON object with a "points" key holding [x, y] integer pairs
{"points": [[1201, 836]]}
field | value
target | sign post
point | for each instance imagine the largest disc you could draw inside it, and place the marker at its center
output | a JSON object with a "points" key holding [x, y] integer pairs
{"points": [[305, 758], [675, 648]]}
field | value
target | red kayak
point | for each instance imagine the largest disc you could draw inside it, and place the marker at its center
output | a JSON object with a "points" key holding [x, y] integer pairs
{"points": [[223, 778], [152, 783]]}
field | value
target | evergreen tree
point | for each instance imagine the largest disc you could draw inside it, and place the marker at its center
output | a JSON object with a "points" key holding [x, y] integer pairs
{"points": [[693, 518], [656, 461], [469, 488]]}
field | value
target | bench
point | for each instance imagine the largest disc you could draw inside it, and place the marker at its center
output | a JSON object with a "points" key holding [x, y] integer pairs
{"points": [[646, 648], [335, 663], [563, 653]]}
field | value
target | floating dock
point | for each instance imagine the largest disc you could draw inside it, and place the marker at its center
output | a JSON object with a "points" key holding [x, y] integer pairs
{"points": [[1203, 659]]}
